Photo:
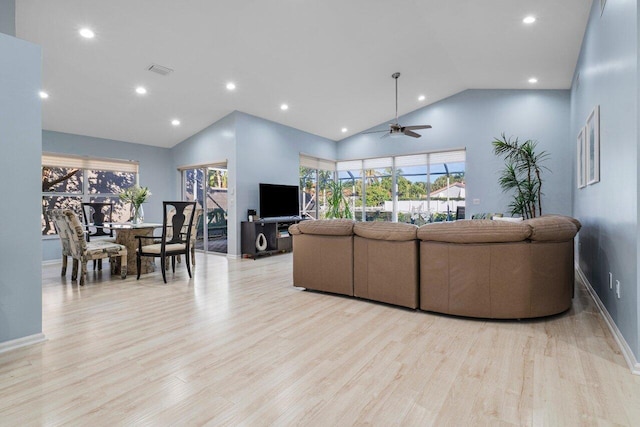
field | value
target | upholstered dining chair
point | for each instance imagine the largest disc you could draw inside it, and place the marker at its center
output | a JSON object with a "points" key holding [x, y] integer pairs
{"points": [[95, 214], [74, 245], [175, 242]]}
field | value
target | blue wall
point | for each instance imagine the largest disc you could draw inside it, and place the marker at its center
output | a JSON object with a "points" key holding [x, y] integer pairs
{"points": [[608, 242], [471, 120], [155, 171], [256, 151], [20, 138], [214, 144], [269, 152], [8, 17]]}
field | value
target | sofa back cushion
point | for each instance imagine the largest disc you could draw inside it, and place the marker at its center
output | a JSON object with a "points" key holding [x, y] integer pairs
{"points": [[394, 231], [327, 227], [475, 231]]}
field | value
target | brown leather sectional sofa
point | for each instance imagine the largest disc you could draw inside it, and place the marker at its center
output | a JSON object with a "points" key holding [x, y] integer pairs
{"points": [[475, 268]]}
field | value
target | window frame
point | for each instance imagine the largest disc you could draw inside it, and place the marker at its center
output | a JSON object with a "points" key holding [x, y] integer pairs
{"points": [[85, 164], [426, 159]]}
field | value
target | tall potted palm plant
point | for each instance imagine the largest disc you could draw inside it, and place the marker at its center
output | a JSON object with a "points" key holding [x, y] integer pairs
{"points": [[522, 174], [338, 203]]}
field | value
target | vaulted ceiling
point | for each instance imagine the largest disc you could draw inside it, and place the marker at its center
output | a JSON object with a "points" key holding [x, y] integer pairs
{"points": [[330, 61]]}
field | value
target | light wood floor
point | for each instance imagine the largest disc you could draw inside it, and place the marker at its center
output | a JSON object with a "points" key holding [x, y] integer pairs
{"points": [[239, 345]]}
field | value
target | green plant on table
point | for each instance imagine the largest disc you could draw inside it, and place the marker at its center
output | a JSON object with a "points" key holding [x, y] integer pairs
{"points": [[135, 195]]}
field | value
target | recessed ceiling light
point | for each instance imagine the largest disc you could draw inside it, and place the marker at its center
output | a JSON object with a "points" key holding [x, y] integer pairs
{"points": [[344, 130], [533, 80], [284, 107], [140, 90], [231, 86], [422, 98], [43, 94], [529, 19], [175, 122], [87, 33]]}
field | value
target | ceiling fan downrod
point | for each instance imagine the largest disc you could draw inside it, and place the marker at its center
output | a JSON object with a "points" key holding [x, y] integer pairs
{"points": [[395, 76]]}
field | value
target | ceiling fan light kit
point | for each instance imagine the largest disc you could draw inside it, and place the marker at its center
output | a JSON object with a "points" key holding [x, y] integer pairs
{"points": [[395, 130]]}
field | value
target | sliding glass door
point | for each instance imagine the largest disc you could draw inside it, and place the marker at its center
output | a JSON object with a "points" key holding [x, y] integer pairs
{"points": [[208, 186]]}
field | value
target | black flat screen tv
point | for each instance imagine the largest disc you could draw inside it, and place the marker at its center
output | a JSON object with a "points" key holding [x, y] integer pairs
{"points": [[278, 200]]}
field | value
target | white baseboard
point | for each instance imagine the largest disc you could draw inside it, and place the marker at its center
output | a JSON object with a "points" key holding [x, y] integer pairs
{"points": [[51, 262], [233, 256], [21, 342], [634, 366]]}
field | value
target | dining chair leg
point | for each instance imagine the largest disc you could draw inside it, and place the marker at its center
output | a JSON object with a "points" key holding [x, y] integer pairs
{"points": [[83, 273], [74, 269], [64, 265], [138, 264], [193, 257], [163, 267], [99, 265], [173, 264], [188, 265]]}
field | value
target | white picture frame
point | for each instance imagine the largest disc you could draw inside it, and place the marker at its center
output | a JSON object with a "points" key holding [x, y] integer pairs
{"points": [[581, 157], [593, 146]]}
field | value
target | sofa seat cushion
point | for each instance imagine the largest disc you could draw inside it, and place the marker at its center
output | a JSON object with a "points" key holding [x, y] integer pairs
{"points": [[552, 228], [475, 231], [394, 231], [327, 227]]}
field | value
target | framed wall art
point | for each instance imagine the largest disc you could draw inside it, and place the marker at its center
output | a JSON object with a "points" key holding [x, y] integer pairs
{"points": [[593, 146], [581, 158]]}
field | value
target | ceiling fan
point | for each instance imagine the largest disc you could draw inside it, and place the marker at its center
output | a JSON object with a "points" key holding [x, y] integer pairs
{"points": [[395, 129]]}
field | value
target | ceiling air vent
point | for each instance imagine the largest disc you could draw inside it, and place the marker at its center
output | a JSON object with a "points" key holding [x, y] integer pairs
{"points": [[163, 71]]}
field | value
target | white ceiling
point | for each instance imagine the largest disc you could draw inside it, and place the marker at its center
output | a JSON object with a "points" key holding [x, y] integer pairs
{"points": [[330, 60]]}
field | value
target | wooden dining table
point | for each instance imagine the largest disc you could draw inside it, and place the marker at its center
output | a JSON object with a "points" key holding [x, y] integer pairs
{"points": [[126, 233]]}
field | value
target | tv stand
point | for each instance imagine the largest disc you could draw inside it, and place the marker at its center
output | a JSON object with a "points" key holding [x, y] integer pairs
{"points": [[276, 236]]}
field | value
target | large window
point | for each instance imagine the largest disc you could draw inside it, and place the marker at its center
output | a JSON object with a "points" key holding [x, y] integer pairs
{"points": [[316, 176], [416, 188], [67, 181]]}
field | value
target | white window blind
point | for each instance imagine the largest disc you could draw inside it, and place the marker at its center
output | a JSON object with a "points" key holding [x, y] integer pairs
{"points": [[93, 163], [379, 163], [218, 165], [315, 163], [413, 160], [349, 165], [454, 156], [457, 156]]}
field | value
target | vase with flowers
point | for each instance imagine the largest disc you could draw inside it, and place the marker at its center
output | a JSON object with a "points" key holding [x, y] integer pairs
{"points": [[136, 195]]}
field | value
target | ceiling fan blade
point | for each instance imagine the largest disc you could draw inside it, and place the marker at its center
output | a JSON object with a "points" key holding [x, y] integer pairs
{"points": [[417, 127], [374, 131], [411, 133]]}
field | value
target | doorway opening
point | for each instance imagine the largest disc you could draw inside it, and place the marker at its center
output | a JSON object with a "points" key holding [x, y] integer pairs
{"points": [[207, 185]]}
